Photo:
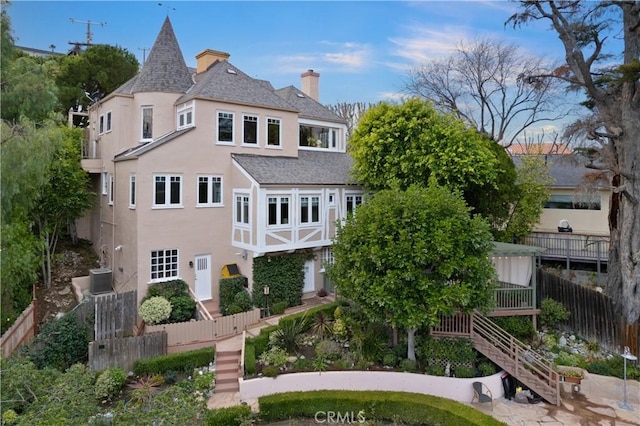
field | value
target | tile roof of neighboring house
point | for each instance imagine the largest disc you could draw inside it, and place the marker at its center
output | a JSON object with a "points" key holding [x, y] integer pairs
{"points": [[224, 82], [309, 168], [308, 107], [538, 149], [164, 70], [570, 171]]}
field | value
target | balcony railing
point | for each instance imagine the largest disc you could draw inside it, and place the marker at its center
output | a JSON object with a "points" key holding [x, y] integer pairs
{"points": [[90, 150], [514, 297], [575, 247]]}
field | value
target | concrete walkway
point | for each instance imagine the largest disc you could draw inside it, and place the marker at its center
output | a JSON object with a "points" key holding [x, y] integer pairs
{"points": [[597, 403]]}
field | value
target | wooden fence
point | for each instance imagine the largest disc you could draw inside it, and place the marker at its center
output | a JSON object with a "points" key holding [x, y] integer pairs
{"points": [[113, 315], [194, 334], [22, 331], [123, 352], [592, 313]]}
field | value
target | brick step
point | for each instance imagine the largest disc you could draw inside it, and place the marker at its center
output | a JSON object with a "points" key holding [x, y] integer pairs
{"points": [[229, 379], [227, 387], [227, 369], [227, 373]]}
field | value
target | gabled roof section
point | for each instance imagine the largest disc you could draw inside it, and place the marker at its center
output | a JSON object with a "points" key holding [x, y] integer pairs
{"points": [[309, 168], [164, 70], [308, 107], [224, 82], [135, 152]]}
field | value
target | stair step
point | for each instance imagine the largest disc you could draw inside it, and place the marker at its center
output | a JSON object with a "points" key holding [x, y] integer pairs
{"points": [[227, 388]]}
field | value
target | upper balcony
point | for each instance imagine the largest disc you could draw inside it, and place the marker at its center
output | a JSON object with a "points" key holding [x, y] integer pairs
{"points": [[91, 159]]}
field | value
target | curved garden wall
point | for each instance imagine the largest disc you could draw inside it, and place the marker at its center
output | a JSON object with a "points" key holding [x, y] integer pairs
{"points": [[447, 387]]}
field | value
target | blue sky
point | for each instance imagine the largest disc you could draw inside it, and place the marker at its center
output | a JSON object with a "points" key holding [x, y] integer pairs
{"points": [[362, 50]]}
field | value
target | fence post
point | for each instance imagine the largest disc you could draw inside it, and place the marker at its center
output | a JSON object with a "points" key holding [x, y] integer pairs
{"points": [[568, 240]]}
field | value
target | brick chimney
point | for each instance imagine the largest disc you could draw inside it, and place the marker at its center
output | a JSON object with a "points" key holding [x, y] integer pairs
{"points": [[310, 81], [208, 57]]}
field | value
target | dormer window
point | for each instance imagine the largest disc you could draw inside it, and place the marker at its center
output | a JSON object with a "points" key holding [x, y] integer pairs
{"points": [[185, 115]]}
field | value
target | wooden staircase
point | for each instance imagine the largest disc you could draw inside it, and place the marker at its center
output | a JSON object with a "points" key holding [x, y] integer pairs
{"points": [[516, 358], [227, 371]]}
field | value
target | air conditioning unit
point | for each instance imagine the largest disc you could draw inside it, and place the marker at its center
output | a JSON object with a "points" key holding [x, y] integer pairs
{"points": [[100, 281]]}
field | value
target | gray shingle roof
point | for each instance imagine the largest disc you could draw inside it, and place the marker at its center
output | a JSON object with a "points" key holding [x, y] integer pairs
{"points": [[569, 171], [164, 70], [308, 107], [309, 168], [218, 83]]}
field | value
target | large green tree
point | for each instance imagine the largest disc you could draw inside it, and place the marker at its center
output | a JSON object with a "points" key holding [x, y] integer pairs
{"points": [[591, 32], [98, 71], [409, 143], [407, 257]]}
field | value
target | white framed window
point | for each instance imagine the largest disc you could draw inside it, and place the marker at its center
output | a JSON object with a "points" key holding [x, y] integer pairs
{"points": [[241, 207], [108, 124], [309, 209], [332, 199], [101, 124], [250, 129], [185, 115], [225, 127], [132, 191], [164, 264], [209, 191], [327, 258], [167, 191], [318, 136], [273, 132], [105, 183], [353, 201], [111, 189], [278, 211], [147, 123]]}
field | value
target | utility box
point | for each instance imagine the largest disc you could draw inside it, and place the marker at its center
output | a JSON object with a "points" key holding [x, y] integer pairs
{"points": [[100, 280], [231, 270]]}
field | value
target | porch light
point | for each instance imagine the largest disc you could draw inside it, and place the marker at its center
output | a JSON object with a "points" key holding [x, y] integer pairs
{"points": [[627, 355]]}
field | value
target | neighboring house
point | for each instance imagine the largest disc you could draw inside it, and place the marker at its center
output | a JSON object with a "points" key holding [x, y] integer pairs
{"points": [[199, 169], [578, 209]]}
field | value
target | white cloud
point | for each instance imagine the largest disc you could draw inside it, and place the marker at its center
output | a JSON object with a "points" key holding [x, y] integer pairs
{"points": [[337, 57], [422, 44]]}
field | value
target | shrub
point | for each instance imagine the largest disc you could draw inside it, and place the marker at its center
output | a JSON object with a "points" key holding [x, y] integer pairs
{"points": [[242, 299], [456, 351], [486, 368], [436, 370], [171, 377], [328, 350], [408, 365], [339, 329], [289, 332], [168, 290], [278, 308], [184, 361], [9, 417], [552, 312], [275, 356], [270, 371], [285, 276], [321, 326], [571, 360], [613, 367], [109, 383], [155, 309], [464, 372], [228, 416], [183, 308], [61, 343], [249, 359], [203, 380], [389, 360], [519, 327], [229, 287]]}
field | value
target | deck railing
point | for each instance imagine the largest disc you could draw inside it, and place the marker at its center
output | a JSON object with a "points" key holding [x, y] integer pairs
{"points": [[513, 297], [576, 247]]}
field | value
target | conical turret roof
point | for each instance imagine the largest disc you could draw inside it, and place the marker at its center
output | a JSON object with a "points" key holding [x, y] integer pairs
{"points": [[165, 69]]}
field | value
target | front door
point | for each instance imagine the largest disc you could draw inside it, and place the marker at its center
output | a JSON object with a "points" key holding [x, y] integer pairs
{"points": [[309, 285], [203, 277]]}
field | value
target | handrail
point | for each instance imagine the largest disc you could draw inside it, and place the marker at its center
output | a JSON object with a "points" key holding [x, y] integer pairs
{"points": [[522, 355], [203, 311]]}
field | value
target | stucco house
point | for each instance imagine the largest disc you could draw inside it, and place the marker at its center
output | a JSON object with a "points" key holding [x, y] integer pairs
{"points": [[201, 168]]}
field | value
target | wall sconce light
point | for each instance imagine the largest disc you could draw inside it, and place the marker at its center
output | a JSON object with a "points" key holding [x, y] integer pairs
{"points": [[244, 255], [191, 264]]}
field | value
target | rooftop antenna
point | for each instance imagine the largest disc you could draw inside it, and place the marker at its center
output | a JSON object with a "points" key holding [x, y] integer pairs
{"points": [[144, 53], [89, 35]]}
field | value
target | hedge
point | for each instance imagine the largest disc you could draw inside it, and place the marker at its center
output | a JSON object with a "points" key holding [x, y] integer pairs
{"points": [[184, 361], [261, 341], [228, 416], [250, 359], [401, 407]]}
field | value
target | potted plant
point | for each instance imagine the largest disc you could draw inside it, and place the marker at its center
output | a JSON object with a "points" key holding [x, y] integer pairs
{"points": [[573, 375]]}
